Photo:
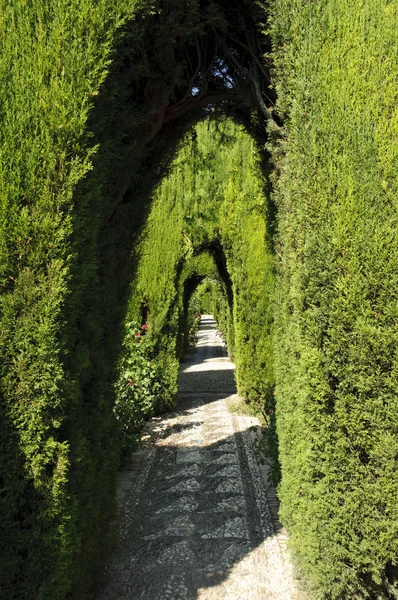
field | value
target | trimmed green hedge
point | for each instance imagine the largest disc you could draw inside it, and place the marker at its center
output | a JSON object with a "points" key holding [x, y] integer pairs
{"points": [[210, 298], [336, 336], [82, 90], [212, 204], [53, 59], [246, 234]]}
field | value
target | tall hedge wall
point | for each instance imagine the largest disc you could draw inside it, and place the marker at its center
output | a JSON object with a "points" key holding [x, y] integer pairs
{"points": [[53, 59], [83, 90], [336, 317]]}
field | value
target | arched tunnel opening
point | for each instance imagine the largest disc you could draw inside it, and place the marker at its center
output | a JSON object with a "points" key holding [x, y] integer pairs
{"points": [[223, 282], [188, 236]]}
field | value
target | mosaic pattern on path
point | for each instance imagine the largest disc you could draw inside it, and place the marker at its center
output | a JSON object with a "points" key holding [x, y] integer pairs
{"points": [[195, 521]]}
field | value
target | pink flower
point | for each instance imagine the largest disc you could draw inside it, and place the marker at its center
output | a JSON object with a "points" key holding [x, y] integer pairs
{"points": [[130, 382], [144, 327], [137, 335]]}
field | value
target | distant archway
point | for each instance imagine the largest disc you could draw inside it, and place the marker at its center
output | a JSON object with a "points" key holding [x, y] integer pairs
{"points": [[190, 284]]}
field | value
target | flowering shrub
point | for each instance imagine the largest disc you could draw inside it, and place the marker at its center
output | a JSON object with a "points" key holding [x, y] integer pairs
{"points": [[139, 385]]}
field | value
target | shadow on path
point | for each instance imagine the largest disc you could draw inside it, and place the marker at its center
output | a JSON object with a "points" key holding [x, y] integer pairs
{"points": [[196, 524]]}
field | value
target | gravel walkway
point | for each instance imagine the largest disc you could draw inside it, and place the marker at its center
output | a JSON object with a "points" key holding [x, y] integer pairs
{"points": [[197, 519]]}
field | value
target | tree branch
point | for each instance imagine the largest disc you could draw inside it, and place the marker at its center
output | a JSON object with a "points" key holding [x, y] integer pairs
{"points": [[175, 111], [253, 80]]}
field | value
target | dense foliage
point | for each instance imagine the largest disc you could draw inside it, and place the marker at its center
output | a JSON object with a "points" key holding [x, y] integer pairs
{"points": [[93, 101], [336, 338], [208, 223], [53, 59], [139, 389], [210, 299]]}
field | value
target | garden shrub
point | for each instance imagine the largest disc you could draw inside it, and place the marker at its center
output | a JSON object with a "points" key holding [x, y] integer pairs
{"points": [[139, 387], [336, 335]]}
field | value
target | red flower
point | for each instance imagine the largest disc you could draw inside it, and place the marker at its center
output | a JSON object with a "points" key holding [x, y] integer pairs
{"points": [[144, 327], [137, 335]]}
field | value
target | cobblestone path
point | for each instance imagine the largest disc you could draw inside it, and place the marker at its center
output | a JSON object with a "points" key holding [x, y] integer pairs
{"points": [[195, 519]]}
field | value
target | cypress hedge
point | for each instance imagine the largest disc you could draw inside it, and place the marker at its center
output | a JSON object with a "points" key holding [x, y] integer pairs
{"points": [[214, 202], [85, 91], [81, 151], [336, 303], [53, 59]]}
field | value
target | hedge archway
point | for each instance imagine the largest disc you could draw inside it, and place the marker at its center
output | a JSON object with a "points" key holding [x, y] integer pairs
{"points": [[127, 82]]}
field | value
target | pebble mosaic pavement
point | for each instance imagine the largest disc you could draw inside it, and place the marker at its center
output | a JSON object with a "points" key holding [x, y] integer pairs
{"points": [[197, 518]]}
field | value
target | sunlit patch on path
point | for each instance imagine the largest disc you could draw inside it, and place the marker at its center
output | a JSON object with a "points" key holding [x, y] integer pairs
{"points": [[196, 522]]}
